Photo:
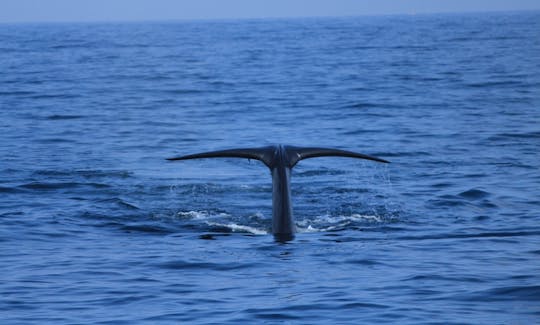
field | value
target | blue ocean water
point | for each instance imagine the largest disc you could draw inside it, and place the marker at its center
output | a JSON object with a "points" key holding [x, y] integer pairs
{"points": [[96, 227]]}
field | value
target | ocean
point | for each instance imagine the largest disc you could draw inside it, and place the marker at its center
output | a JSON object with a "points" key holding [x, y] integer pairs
{"points": [[97, 227]]}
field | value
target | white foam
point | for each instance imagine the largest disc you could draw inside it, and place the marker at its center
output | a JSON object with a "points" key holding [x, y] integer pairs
{"points": [[365, 217], [327, 219], [309, 229], [199, 215], [239, 228], [318, 224], [329, 223]]}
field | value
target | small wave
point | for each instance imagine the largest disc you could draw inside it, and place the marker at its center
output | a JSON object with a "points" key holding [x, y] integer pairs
{"points": [[63, 117], [9, 190], [220, 222], [471, 197], [83, 173], [402, 154], [257, 225], [510, 293], [121, 203], [61, 185], [192, 189], [474, 194], [181, 265], [364, 262], [442, 185], [16, 93], [526, 293], [238, 228], [182, 91], [331, 223], [199, 215], [55, 140], [319, 172], [508, 83], [494, 234], [149, 229], [365, 105], [54, 96], [356, 217], [310, 228], [508, 136], [77, 45]]}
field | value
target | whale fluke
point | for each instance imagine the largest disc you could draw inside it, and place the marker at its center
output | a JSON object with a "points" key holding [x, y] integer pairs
{"points": [[299, 153], [280, 160], [263, 154]]}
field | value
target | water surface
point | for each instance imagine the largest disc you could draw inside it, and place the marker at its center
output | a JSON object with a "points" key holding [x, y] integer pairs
{"points": [[96, 226]]}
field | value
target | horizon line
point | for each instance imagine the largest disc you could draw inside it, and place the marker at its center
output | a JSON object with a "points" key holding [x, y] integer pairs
{"points": [[247, 18]]}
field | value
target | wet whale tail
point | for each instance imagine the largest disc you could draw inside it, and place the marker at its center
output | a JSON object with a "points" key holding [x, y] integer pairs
{"points": [[280, 159], [269, 154]]}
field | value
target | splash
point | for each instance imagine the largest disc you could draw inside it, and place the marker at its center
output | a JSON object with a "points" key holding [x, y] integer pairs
{"points": [[200, 215], [259, 226], [329, 223], [226, 221], [238, 228]]}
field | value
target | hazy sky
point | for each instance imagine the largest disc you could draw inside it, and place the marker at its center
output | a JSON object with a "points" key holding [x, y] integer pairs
{"points": [[122, 10]]}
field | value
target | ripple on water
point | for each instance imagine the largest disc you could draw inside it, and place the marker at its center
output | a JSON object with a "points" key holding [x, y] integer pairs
{"points": [[86, 173], [58, 117], [474, 194], [60, 185], [530, 294], [209, 267]]}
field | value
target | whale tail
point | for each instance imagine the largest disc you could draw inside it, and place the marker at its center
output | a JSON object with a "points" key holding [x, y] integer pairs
{"points": [[280, 159], [268, 155]]}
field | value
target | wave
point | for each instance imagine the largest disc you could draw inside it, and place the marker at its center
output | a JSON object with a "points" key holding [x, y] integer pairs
{"points": [[223, 222], [508, 136], [493, 84], [493, 234], [182, 264], [509, 293], [470, 197], [474, 194], [4, 189], [332, 223], [86, 173], [64, 117], [257, 224], [238, 228], [200, 215], [120, 203], [60, 185]]}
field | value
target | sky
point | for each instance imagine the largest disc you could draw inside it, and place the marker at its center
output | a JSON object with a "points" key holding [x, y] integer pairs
{"points": [[137, 10]]}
